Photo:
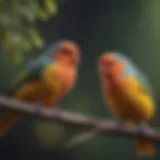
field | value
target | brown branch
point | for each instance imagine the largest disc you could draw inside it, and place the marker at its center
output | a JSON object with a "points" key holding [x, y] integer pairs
{"points": [[78, 121]]}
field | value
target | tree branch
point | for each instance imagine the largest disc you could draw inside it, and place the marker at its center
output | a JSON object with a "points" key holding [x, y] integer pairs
{"points": [[78, 121]]}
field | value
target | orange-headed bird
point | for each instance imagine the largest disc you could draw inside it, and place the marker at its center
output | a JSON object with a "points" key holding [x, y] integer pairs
{"points": [[128, 95], [47, 79]]}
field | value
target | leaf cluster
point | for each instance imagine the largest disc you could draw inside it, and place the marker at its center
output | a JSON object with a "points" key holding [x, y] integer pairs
{"points": [[18, 32]]}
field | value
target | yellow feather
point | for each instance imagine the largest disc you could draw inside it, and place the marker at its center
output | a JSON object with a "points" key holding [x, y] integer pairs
{"points": [[133, 103], [49, 90]]}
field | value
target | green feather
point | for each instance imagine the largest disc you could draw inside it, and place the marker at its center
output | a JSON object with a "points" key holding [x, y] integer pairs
{"points": [[32, 72]]}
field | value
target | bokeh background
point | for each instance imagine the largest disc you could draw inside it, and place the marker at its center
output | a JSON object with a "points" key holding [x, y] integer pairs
{"points": [[129, 26]]}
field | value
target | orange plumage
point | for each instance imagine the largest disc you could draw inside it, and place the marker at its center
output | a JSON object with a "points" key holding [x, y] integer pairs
{"points": [[47, 80], [128, 95]]}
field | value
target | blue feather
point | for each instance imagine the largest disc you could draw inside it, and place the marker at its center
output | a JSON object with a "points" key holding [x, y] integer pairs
{"points": [[131, 69], [33, 70]]}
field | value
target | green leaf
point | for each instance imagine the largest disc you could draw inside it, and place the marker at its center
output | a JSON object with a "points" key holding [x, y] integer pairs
{"points": [[15, 2], [50, 6], [5, 20], [38, 42], [29, 14], [16, 16], [27, 46], [2, 33], [30, 10], [14, 37], [35, 37], [43, 15], [17, 56]]}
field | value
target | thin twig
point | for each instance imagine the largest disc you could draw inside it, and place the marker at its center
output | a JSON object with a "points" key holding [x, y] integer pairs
{"points": [[78, 121]]}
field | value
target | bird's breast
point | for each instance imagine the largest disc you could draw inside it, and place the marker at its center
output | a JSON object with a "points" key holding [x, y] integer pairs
{"points": [[121, 106]]}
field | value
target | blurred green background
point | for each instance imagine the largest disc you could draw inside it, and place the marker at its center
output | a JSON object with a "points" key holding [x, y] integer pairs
{"points": [[129, 26]]}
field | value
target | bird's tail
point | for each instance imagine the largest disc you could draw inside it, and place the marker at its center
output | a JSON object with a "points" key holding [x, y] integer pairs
{"points": [[144, 148], [7, 121]]}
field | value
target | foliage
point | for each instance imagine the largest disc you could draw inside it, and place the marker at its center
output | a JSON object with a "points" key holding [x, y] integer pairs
{"points": [[18, 32]]}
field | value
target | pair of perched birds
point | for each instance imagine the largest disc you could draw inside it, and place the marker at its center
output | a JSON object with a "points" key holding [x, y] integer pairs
{"points": [[51, 76]]}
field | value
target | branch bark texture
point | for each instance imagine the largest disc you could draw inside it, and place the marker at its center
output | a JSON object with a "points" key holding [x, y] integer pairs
{"points": [[78, 121]]}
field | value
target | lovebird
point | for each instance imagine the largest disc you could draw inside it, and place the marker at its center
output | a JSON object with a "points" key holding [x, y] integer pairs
{"points": [[128, 95], [45, 80]]}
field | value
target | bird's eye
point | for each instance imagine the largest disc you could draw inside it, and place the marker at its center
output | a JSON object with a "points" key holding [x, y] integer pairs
{"points": [[108, 63], [111, 63], [65, 51]]}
